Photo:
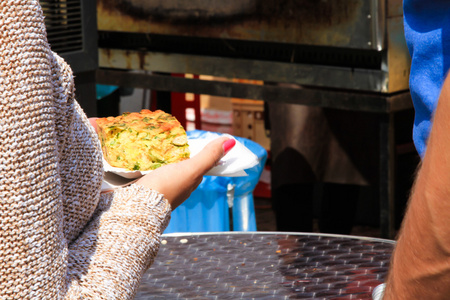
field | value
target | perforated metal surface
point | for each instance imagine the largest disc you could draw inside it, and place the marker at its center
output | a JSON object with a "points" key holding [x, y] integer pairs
{"points": [[266, 266]]}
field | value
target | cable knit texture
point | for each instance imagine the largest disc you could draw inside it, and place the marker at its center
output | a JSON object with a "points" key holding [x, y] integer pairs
{"points": [[60, 238]]}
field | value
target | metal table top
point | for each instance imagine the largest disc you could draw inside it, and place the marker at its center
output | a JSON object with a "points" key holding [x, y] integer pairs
{"points": [[263, 265]]}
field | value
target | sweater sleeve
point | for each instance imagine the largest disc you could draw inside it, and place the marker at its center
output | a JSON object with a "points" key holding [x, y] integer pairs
{"points": [[59, 237], [118, 245], [33, 249]]}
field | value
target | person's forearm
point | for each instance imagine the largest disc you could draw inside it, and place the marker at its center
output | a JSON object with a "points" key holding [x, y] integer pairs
{"points": [[109, 258], [420, 267]]}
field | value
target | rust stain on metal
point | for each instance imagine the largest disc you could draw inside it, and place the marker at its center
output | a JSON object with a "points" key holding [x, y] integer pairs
{"points": [[107, 53], [128, 60], [267, 19], [141, 56]]}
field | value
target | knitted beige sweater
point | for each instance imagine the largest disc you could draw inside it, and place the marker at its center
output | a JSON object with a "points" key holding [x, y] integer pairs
{"points": [[60, 238]]}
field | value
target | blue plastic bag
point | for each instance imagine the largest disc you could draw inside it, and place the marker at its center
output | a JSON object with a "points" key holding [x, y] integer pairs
{"points": [[208, 208]]}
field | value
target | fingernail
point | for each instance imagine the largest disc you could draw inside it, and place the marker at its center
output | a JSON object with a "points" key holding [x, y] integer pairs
{"points": [[228, 145]]}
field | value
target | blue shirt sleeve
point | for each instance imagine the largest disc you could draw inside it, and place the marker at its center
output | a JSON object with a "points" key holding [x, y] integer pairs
{"points": [[427, 33]]}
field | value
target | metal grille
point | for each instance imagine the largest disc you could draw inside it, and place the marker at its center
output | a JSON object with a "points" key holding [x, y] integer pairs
{"points": [[63, 19]]}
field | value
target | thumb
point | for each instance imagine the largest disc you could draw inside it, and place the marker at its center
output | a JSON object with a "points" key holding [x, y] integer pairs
{"points": [[209, 156]]}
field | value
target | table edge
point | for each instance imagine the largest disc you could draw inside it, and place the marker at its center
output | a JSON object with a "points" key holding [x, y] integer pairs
{"points": [[189, 234]]}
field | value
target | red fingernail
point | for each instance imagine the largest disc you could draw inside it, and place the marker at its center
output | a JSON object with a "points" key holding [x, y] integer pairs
{"points": [[228, 145]]}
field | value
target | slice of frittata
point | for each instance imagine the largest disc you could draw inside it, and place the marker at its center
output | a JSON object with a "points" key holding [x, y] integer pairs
{"points": [[142, 140]]}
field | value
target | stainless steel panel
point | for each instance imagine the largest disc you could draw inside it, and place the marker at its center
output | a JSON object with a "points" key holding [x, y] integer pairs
{"points": [[394, 8], [357, 24], [391, 79], [398, 60]]}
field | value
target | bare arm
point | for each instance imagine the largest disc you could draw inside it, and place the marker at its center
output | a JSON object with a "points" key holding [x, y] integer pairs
{"points": [[420, 267], [178, 181], [122, 239]]}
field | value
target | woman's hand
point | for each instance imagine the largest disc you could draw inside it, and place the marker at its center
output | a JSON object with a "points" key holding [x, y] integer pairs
{"points": [[177, 181]]}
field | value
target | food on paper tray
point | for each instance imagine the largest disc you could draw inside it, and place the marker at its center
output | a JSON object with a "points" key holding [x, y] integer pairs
{"points": [[142, 140]]}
